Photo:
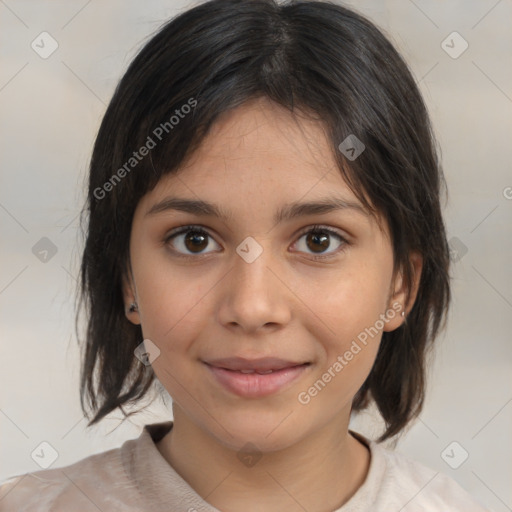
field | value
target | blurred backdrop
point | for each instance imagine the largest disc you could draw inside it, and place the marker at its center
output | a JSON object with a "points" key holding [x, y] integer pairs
{"points": [[61, 61]]}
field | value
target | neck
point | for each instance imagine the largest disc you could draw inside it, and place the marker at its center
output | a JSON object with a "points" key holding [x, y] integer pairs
{"points": [[319, 473]]}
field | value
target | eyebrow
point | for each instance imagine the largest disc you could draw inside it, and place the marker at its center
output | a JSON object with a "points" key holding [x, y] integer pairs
{"points": [[287, 212]]}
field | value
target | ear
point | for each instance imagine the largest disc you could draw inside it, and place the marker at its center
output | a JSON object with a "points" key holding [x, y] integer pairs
{"points": [[130, 297], [397, 298]]}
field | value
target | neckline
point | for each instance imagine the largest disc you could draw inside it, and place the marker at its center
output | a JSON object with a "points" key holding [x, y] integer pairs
{"points": [[159, 484]]}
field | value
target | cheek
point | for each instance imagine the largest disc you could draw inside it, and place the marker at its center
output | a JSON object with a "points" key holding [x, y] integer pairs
{"points": [[348, 327], [349, 336], [349, 302], [172, 302]]}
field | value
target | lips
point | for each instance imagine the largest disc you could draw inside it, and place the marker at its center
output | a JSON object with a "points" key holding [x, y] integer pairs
{"points": [[256, 378], [261, 366]]}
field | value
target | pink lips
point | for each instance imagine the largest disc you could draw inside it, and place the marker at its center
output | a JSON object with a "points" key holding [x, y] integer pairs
{"points": [[257, 377]]}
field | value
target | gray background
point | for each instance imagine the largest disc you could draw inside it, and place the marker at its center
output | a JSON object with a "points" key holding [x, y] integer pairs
{"points": [[50, 112]]}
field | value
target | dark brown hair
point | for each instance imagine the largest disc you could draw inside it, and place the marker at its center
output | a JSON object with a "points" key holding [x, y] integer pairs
{"points": [[313, 56]]}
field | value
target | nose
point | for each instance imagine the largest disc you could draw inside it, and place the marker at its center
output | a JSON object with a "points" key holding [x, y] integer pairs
{"points": [[255, 294]]}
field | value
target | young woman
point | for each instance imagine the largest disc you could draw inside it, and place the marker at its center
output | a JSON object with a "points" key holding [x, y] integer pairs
{"points": [[265, 241]]}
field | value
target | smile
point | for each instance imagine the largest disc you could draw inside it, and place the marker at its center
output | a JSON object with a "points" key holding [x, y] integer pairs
{"points": [[256, 383]]}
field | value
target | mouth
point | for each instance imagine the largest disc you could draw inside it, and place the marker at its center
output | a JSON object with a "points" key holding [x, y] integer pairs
{"points": [[261, 366], [255, 378]]}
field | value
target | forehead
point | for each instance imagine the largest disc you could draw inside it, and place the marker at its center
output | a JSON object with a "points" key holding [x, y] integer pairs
{"points": [[263, 133], [261, 145], [258, 160]]}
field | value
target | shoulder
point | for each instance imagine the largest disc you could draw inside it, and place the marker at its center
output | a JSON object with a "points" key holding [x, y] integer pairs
{"points": [[417, 488], [85, 485]]}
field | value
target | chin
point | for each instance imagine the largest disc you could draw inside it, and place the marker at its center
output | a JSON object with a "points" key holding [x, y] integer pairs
{"points": [[266, 434]]}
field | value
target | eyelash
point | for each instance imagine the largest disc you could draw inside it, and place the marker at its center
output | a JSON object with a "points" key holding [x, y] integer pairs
{"points": [[311, 229]]}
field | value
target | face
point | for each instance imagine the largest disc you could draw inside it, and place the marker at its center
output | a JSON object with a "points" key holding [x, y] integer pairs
{"points": [[248, 285]]}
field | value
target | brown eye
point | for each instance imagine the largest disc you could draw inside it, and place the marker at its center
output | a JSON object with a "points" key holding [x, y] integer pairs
{"points": [[195, 241], [318, 239]]}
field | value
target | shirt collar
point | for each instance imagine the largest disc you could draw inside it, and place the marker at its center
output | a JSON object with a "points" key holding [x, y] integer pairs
{"points": [[161, 487]]}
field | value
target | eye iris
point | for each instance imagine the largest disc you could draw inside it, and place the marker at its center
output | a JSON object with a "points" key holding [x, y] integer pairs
{"points": [[317, 237], [197, 239], [317, 241]]}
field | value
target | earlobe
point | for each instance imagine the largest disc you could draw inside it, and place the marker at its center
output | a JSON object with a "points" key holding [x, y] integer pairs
{"points": [[397, 301], [130, 302], [132, 312]]}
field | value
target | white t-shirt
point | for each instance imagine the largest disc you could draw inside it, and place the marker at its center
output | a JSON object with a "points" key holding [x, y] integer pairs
{"points": [[136, 478]]}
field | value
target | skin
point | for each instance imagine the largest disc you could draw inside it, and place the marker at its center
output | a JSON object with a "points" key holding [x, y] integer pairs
{"points": [[283, 304]]}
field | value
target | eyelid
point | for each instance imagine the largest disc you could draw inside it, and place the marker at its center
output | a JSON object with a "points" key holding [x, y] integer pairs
{"points": [[331, 231], [321, 227], [345, 239]]}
